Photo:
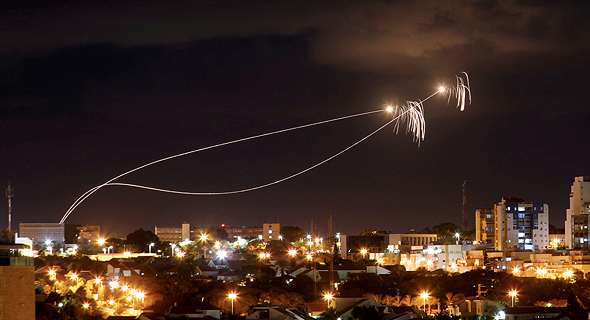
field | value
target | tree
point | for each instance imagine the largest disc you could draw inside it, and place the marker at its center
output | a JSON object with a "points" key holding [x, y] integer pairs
{"points": [[365, 313], [141, 239], [292, 234], [330, 314]]}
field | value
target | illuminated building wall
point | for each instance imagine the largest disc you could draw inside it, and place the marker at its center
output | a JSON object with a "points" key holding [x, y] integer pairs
{"points": [[243, 232], [576, 227], [40, 232], [521, 225], [485, 227], [271, 231]]}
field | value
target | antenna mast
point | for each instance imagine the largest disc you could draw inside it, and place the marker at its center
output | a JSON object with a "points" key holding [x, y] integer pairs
{"points": [[9, 195]]}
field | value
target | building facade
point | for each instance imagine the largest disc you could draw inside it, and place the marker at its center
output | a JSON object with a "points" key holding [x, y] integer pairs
{"points": [[412, 239], [521, 225], [576, 223], [41, 232], [17, 280], [185, 231], [271, 231], [485, 227], [177, 234]]}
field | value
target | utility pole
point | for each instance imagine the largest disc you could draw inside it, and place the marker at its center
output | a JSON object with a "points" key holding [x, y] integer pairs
{"points": [[9, 195], [464, 212]]}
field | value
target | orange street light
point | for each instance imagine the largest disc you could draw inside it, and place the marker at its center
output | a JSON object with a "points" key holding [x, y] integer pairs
{"points": [[232, 296], [513, 294]]}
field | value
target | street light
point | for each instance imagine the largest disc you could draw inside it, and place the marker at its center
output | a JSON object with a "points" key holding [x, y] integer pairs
{"points": [[329, 297], [292, 252], [363, 252], [424, 296], [232, 296], [458, 236], [513, 294], [150, 246]]}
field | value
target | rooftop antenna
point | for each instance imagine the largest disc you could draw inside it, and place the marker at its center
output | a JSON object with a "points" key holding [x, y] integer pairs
{"points": [[9, 195]]}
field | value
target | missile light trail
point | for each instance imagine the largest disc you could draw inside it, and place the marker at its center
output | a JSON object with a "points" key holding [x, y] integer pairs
{"points": [[412, 113]]}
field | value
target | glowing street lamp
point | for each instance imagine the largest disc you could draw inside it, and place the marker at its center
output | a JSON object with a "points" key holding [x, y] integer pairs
{"points": [[292, 252], [458, 236], [513, 294], [569, 274], [232, 296], [424, 296], [363, 252], [328, 297], [516, 271], [150, 246], [204, 240], [101, 241]]}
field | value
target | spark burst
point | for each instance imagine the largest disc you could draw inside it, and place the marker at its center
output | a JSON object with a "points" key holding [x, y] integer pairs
{"points": [[412, 113]]}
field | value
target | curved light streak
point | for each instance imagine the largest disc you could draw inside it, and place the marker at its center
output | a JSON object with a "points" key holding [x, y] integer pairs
{"points": [[94, 189], [412, 114]]}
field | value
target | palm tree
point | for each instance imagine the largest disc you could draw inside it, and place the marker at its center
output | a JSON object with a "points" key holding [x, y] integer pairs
{"points": [[330, 314]]}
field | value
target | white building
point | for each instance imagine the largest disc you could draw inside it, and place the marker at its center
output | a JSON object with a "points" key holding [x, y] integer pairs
{"points": [[576, 223], [522, 225]]}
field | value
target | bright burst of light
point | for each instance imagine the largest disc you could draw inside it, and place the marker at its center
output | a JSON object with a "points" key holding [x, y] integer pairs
{"points": [[292, 252], [513, 293], [111, 302], [113, 284], [232, 296], [98, 280], [309, 257], [125, 287], [51, 272], [101, 241], [222, 254], [424, 295], [441, 89], [389, 109], [74, 276], [180, 254], [328, 296], [86, 305]]}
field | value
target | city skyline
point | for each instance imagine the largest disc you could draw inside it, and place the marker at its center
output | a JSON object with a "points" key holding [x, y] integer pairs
{"points": [[139, 82]]}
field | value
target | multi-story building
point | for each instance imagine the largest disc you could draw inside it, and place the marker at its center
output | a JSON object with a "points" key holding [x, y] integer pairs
{"points": [[412, 239], [177, 234], [90, 233], [17, 277], [576, 223], [271, 231], [522, 225], [484, 227], [41, 232], [243, 232], [184, 232], [363, 246]]}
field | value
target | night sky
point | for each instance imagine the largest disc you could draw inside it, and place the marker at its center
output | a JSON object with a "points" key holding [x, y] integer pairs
{"points": [[90, 90]]}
